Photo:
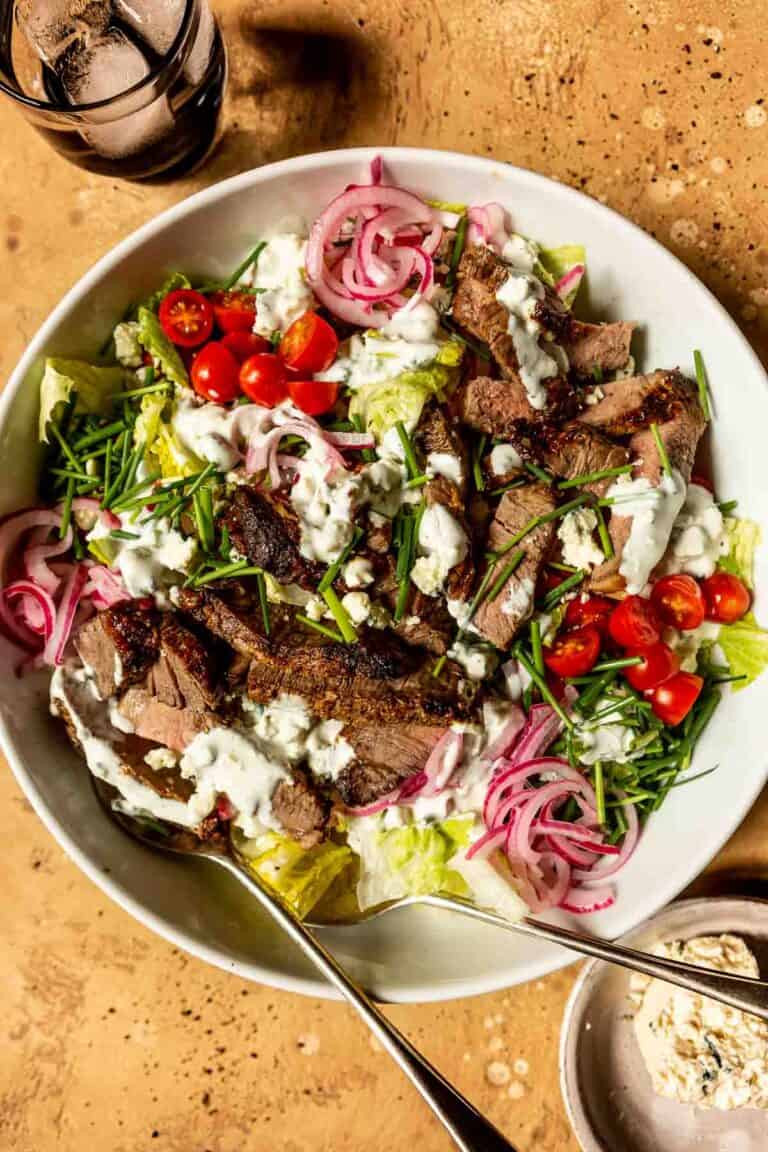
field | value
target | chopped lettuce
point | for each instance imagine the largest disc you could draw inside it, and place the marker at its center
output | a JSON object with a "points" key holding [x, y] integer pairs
{"points": [[153, 340], [743, 539], [553, 263], [491, 883], [381, 405], [745, 647], [163, 449], [302, 876], [411, 860], [92, 385]]}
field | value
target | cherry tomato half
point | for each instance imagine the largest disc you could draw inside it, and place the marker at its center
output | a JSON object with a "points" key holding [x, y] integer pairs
{"points": [[659, 662], [313, 396], [234, 311], [727, 598], [262, 378], [574, 653], [245, 344], [215, 373], [309, 345], [186, 317], [594, 610], [679, 602], [634, 623], [673, 700]]}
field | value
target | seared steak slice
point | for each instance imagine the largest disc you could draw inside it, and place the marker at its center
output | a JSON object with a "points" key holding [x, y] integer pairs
{"points": [[301, 809], [120, 644], [495, 407], [480, 276], [635, 403], [185, 672], [499, 620], [217, 610], [427, 623], [604, 346], [267, 531], [437, 434], [574, 450], [376, 680], [163, 724], [386, 757]]}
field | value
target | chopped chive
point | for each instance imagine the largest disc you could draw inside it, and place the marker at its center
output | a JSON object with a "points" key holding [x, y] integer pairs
{"points": [[145, 390], [417, 482], [340, 615], [333, 569], [554, 596], [439, 664], [105, 433], [121, 534], [589, 697], [68, 474], [593, 477], [518, 482], [237, 568], [129, 494], [64, 446], [261, 584], [367, 454], [610, 710], [597, 373], [251, 258], [477, 456], [561, 567], [168, 510], [480, 350], [321, 628], [66, 512], [662, 451], [536, 650], [701, 380], [599, 782], [697, 776], [226, 544], [458, 249], [498, 584], [539, 473], [728, 506], [536, 522], [201, 505], [728, 679], [542, 686], [619, 662], [605, 538], [411, 462]]}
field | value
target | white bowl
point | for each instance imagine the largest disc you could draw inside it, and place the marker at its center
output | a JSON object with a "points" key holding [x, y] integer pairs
{"points": [[419, 955]]}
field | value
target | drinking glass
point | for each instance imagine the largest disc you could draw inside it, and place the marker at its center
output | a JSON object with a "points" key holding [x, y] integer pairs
{"points": [[129, 88]]}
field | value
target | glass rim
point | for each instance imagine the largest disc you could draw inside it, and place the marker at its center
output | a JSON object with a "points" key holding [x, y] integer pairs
{"points": [[151, 78]]}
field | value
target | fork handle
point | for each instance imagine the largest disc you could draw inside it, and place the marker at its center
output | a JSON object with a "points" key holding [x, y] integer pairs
{"points": [[470, 1131], [742, 992]]}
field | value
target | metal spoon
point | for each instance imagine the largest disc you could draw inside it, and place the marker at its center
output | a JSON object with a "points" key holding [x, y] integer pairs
{"points": [[470, 1131]]}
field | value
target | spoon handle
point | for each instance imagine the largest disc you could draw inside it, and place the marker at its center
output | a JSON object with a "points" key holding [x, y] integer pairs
{"points": [[468, 1129], [743, 992]]}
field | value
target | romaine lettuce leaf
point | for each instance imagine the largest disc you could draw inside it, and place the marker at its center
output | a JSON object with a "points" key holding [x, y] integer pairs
{"points": [[743, 538], [381, 405], [553, 263], [745, 647], [408, 861], [153, 340], [491, 884], [164, 452], [93, 385], [302, 876]]}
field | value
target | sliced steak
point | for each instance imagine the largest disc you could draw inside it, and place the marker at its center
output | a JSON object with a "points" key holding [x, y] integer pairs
{"points": [[499, 620], [427, 624], [217, 610], [266, 530], [480, 276], [387, 756], [438, 435], [604, 346], [377, 680], [120, 644], [493, 406], [185, 674], [172, 727], [301, 809], [573, 450], [630, 405]]}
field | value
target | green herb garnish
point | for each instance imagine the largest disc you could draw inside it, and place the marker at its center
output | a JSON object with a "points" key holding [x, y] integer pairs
{"points": [[701, 380], [593, 477]]}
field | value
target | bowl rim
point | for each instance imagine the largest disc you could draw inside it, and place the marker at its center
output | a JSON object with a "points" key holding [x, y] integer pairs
{"points": [[606, 217]]}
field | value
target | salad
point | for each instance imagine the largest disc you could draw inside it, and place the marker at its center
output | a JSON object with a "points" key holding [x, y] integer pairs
{"points": [[376, 561]]}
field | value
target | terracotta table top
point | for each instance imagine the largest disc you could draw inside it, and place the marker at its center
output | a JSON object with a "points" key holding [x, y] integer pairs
{"points": [[110, 1038]]}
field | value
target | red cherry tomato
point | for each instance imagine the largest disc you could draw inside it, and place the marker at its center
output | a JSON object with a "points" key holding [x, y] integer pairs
{"points": [[574, 653], [234, 311], [549, 579], [245, 344], [215, 373], [594, 610], [262, 378], [673, 700], [313, 396], [634, 623], [659, 662], [186, 317], [702, 482], [727, 598], [679, 602], [309, 345]]}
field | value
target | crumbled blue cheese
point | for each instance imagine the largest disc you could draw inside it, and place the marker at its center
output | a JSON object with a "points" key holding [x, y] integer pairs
{"points": [[699, 1051], [226, 762], [445, 464], [151, 562], [357, 606], [479, 661], [128, 351], [575, 533], [520, 252], [443, 544], [518, 600], [653, 510], [279, 275], [520, 294], [373, 358], [325, 503], [417, 322], [358, 572], [504, 458], [698, 536]]}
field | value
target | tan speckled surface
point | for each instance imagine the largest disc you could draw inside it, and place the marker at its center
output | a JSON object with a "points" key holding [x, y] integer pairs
{"points": [[109, 1038]]}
